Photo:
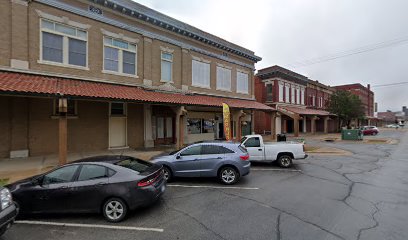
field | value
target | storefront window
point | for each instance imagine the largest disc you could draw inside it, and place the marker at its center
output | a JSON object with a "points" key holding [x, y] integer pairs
{"points": [[208, 126], [194, 126], [199, 125]]}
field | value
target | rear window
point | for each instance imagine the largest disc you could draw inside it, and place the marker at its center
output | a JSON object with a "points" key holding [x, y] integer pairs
{"points": [[215, 149], [135, 164], [242, 149]]}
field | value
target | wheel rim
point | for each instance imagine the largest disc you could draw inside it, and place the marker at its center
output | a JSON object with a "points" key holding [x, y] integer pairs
{"points": [[285, 161], [114, 210], [228, 175], [166, 173]]}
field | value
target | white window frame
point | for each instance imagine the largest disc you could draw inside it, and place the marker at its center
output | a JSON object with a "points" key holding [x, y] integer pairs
{"points": [[65, 43], [293, 94], [302, 96], [195, 84], [298, 95], [281, 91], [242, 73], [313, 100], [161, 66], [223, 74], [287, 93], [120, 57]]}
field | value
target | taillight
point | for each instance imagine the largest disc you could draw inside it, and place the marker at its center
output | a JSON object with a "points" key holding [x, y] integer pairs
{"points": [[244, 157], [149, 181]]}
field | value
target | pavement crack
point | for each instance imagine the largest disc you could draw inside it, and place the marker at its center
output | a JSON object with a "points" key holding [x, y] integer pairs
{"points": [[285, 212], [197, 221], [278, 232], [376, 223]]}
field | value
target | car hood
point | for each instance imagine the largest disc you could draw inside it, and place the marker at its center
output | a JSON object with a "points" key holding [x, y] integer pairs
{"points": [[27, 182], [162, 157]]}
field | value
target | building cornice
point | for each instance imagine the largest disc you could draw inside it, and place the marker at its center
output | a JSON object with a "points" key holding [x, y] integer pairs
{"points": [[157, 19], [148, 34]]}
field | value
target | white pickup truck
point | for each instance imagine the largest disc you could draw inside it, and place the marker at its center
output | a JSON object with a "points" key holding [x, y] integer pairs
{"points": [[283, 152]]}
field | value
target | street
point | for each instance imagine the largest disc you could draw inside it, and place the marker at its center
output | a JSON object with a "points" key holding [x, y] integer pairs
{"points": [[362, 196]]}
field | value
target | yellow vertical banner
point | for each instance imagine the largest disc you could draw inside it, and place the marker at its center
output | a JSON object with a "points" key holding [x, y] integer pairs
{"points": [[227, 121]]}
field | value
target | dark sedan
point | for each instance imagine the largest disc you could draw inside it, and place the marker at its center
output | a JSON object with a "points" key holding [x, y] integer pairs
{"points": [[112, 185], [8, 210]]}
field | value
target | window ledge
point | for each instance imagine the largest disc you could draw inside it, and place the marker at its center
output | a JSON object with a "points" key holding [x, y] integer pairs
{"points": [[243, 92], [118, 148], [120, 74], [224, 90], [62, 65], [68, 117], [164, 81], [201, 86]]}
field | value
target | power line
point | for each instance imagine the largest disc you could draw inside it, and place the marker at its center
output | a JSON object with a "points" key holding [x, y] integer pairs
{"points": [[347, 53], [390, 84]]}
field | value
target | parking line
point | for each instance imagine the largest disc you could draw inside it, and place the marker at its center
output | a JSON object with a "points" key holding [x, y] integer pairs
{"points": [[206, 186], [90, 226], [274, 169]]}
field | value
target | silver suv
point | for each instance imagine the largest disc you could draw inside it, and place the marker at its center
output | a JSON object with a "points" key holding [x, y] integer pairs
{"points": [[226, 160]]}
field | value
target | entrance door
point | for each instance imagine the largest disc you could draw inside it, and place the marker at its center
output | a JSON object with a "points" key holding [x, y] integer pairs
{"points": [[117, 125], [164, 127]]}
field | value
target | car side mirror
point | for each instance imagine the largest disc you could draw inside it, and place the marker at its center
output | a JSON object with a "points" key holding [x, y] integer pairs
{"points": [[37, 180], [178, 156]]}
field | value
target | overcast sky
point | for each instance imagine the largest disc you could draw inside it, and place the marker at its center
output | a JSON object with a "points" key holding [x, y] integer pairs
{"points": [[284, 32]]}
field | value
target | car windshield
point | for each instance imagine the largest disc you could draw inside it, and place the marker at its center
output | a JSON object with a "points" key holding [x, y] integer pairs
{"points": [[135, 164], [243, 139]]}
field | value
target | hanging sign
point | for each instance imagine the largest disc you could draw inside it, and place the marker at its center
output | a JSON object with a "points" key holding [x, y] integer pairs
{"points": [[227, 121]]}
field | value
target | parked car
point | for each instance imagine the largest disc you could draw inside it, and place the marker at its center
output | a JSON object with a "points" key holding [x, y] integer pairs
{"points": [[282, 152], [369, 130], [112, 185], [226, 160], [392, 126], [8, 210]]}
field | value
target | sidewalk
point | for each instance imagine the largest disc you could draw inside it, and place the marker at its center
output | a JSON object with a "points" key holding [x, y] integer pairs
{"points": [[19, 168]]}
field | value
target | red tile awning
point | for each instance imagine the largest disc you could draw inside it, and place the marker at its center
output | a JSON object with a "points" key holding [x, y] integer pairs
{"points": [[306, 111], [31, 84]]}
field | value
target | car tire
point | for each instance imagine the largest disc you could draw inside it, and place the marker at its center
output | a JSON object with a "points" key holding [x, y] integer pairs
{"points": [[285, 161], [3, 230], [228, 175], [168, 174], [114, 210]]}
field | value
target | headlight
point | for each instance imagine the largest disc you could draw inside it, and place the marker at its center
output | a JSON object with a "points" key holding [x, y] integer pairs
{"points": [[5, 198]]}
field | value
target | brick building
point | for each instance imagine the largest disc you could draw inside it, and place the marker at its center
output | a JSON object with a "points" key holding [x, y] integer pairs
{"points": [[300, 102], [367, 98], [128, 76]]}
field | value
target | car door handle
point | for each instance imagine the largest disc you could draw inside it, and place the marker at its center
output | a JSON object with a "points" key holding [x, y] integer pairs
{"points": [[63, 187], [101, 184], [259, 149], [219, 157]]}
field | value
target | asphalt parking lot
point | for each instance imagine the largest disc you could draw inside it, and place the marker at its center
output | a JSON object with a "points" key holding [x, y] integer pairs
{"points": [[362, 196]]}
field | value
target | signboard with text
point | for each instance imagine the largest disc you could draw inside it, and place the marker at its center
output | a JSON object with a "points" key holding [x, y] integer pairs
{"points": [[227, 121]]}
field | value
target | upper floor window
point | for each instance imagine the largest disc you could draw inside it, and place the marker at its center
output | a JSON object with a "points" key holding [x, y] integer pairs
{"points": [[302, 96], [242, 82], [201, 74], [313, 101], [119, 56], [280, 92], [297, 95], [293, 98], [269, 94], [223, 78], [63, 44], [287, 92], [166, 67]]}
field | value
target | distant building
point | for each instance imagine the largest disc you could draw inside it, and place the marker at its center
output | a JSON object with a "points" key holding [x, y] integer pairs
{"points": [[300, 102], [387, 117]]}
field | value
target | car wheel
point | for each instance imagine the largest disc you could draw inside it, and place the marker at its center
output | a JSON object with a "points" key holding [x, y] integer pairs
{"points": [[228, 175], [114, 210], [3, 230], [285, 161], [168, 175]]}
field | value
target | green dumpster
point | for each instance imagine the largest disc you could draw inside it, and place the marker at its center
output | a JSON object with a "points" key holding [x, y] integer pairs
{"points": [[351, 134]]}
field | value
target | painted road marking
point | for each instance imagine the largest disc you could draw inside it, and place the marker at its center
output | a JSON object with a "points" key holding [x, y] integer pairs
{"points": [[275, 169], [90, 226], [206, 186]]}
